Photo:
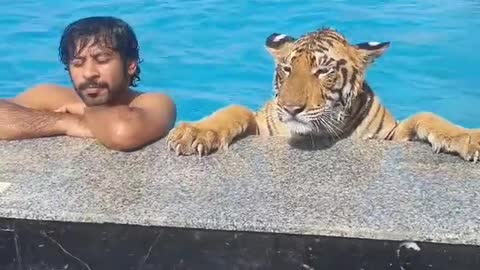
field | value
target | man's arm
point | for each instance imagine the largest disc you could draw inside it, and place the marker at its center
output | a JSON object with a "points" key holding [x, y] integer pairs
{"points": [[18, 122], [148, 118], [31, 114]]}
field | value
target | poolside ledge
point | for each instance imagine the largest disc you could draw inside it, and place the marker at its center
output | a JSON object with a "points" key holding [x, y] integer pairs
{"points": [[352, 199]]}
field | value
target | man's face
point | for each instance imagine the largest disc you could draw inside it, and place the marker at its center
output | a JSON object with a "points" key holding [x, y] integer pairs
{"points": [[99, 74]]}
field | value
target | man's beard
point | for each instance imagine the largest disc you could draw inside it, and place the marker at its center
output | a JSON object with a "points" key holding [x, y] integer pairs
{"points": [[94, 93]]}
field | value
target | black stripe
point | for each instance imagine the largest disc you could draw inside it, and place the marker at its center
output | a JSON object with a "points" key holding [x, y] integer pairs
{"points": [[391, 133], [336, 90], [337, 38], [329, 36], [323, 59], [373, 117], [320, 46], [342, 102], [344, 75], [360, 109], [380, 126], [353, 77], [277, 76], [299, 50], [340, 63], [330, 60]]}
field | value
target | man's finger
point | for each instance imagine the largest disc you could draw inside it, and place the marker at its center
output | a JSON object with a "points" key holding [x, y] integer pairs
{"points": [[61, 109]]}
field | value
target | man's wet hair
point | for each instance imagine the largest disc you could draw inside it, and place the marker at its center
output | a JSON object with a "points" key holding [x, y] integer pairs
{"points": [[111, 32]]}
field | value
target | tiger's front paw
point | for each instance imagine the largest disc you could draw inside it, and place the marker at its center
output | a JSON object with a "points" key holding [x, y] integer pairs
{"points": [[187, 139], [467, 145]]}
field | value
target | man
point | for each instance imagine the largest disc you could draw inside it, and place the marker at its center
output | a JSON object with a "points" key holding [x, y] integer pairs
{"points": [[101, 56]]}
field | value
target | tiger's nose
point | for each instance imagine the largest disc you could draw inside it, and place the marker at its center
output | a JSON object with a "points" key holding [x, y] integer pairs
{"points": [[293, 109]]}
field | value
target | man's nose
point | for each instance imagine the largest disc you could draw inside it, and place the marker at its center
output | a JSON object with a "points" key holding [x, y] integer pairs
{"points": [[90, 71]]}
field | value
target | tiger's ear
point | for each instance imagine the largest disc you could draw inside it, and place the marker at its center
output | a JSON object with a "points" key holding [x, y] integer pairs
{"points": [[372, 50], [279, 45]]}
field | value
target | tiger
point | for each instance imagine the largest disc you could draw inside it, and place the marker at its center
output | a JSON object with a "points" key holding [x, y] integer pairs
{"points": [[320, 90]]}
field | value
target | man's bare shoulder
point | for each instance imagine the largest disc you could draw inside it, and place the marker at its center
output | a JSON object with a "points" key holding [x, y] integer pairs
{"points": [[46, 97], [153, 100], [160, 110]]}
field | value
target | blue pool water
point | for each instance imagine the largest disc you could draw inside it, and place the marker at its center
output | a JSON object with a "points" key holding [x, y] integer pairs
{"points": [[208, 54]]}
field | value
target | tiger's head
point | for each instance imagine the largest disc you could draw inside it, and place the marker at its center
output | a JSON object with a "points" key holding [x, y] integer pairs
{"points": [[317, 76]]}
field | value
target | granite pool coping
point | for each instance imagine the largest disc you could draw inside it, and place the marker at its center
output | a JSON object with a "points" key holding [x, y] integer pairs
{"points": [[376, 190]]}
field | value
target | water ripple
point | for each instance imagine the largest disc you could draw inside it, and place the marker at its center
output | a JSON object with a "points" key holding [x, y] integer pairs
{"points": [[208, 54]]}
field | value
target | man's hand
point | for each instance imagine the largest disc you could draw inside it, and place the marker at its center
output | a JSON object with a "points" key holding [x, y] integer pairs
{"points": [[76, 126], [74, 122], [73, 108]]}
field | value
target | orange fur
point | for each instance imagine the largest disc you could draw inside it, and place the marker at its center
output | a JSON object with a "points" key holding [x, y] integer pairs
{"points": [[321, 91]]}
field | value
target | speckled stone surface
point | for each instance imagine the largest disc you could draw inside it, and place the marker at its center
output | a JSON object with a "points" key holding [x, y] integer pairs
{"points": [[379, 190]]}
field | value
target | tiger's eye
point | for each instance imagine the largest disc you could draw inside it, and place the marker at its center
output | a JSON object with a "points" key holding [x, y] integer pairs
{"points": [[322, 71], [287, 69]]}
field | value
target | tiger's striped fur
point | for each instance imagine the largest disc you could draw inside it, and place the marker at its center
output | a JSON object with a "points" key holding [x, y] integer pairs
{"points": [[320, 90]]}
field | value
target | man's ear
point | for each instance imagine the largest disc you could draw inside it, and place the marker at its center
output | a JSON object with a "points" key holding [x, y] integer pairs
{"points": [[132, 67], [372, 50], [279, 45]]}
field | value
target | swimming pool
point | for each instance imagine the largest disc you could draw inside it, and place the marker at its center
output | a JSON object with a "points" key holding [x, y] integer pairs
{"points": [[208, 54]]}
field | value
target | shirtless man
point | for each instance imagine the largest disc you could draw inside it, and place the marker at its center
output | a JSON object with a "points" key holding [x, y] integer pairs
{"points": [[102, 59]]}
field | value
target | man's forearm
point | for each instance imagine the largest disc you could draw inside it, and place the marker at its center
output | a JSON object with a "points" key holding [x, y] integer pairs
{"points": [[17, 122]]}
